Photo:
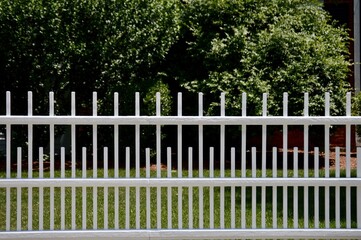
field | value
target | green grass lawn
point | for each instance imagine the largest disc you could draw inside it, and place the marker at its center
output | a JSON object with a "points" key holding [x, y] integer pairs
{"points": [[164, 201]]}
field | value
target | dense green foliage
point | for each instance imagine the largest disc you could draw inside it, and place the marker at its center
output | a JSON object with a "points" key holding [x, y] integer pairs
{"points": [[84, 46], [213, 46], [257, 46]]}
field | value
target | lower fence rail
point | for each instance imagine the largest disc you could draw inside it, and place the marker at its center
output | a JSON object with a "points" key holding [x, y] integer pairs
{"points": [[189, 234]]}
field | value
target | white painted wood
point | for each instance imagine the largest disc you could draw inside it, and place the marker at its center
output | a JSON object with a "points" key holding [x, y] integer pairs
{"points": [[127, 190], [179, 161], [211, 189], [189, 234], [62, 189], [18, 190], [348, 161], [285, 165], [190, 189], [327, 160], [8, 159], [358, 187], [105, 204], [222, 160], [337, 194], [233, 189], [183, 120], [254, 196], [116, 162], [30, 162], [73, 162], [169, 189], [316, 195], [84, 198], [274, 188], [95, 162], [201, 159], [295, 188], [190, 182], [147, 167], [41, 190]]}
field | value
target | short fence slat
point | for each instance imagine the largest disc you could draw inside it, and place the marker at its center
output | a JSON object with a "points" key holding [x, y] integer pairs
{"points": [[84, 190], [337, 191], [211, 189], [254, 193], [358, 187], [295, 188], [105, 206], [18, 190], [147, 169], [62, 189], [233, 189], [41, 189], [274, 188], [127, 190], [169, 189], [190, 189], [317, 194]]}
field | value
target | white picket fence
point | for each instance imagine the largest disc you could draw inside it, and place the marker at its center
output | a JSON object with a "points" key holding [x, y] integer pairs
{"points": [[206, 203]]}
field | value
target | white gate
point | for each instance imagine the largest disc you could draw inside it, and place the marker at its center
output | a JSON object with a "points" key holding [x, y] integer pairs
{"points": [[233, 197]]}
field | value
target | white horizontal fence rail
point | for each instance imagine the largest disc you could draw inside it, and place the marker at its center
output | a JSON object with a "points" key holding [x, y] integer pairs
{"points": [[205, 192]]}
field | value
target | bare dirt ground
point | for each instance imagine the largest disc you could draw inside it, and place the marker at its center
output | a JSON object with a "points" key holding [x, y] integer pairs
{"points": [[353, 160]]}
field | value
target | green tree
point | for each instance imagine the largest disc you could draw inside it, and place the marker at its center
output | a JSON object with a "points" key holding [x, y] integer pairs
{"points": [[257, 46], [84, 46]]}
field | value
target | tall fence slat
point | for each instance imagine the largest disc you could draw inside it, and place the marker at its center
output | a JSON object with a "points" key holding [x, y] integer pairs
{"points": [[30, 162], [285, 165], [243, 162], [200, 157], [116, 162], [348, 161], [52, 159], [73, 163], [327, 160], [8, 160], [179, 161], [264, 152]]}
